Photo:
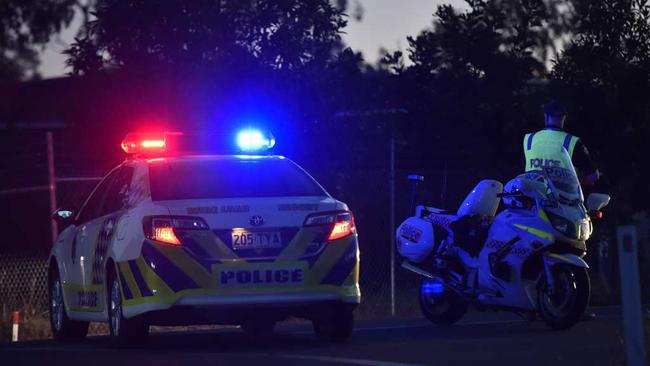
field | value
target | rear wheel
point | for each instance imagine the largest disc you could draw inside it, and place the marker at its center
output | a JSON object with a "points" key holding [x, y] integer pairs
{"points": [[63, 328], [334, 324], [440, 305], [563, 306], [124, 332]]}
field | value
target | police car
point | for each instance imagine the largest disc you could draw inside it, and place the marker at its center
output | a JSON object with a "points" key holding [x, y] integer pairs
{"points": [[177, 237]]}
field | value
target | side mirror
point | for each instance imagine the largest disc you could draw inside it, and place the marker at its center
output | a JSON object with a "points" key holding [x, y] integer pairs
{"points": [[597, 201], [63, 215]]}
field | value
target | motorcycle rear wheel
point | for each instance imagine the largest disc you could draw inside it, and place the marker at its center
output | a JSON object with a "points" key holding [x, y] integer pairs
{"points": [[564, 307], [442, 309]]}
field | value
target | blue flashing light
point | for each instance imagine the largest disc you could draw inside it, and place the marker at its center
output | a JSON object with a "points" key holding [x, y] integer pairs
{"points": [[252, 140], [433, 288]]}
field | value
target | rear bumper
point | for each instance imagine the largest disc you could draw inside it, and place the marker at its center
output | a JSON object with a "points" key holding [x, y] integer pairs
{"points": [[233, 309], [166, 277]]}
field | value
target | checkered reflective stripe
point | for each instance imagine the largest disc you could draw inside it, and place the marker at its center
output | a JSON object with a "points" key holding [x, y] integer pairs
{"points": [[105, 236]]}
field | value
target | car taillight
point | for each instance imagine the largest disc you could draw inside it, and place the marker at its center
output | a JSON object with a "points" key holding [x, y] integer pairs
{"points": [[341, 223], [165, 234], [164, 228]]}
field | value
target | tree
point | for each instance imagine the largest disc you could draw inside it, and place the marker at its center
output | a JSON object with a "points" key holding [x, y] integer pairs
{"points": [[26, 25], [604, 73], [468, 82], [188, 35]]}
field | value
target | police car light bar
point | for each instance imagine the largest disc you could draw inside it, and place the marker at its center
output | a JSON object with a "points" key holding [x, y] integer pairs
{"points": [[146, 143], [252, 140], [155, 144]]}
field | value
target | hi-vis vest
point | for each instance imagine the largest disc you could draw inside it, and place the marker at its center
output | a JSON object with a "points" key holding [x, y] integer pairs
{"points": [[546, 148]]}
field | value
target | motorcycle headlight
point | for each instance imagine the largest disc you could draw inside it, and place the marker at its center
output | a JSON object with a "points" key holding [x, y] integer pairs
{"points": [[564, 226]]}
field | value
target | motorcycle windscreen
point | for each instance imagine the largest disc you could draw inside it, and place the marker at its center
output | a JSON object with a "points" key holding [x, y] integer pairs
{"points": [[564, 178]]}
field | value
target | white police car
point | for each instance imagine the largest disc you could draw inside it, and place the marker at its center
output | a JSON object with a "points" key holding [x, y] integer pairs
{"points": [[171, 237]]}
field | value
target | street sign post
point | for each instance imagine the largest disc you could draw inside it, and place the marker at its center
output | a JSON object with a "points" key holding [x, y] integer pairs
{"points": [[631, 296]]}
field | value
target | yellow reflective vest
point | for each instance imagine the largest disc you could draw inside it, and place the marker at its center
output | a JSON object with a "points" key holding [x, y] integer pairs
{"points": [[549, 148]]}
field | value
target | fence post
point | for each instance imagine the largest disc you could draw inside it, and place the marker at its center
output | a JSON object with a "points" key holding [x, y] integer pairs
{"points": [[51, 181], [392, 225], [631, 296]]}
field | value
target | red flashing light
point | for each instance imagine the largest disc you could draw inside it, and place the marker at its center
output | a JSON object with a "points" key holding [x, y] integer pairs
{"points": [[153, 144], [146, 143]]}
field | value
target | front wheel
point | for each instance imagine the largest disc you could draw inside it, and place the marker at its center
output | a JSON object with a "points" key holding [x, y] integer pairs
{"points": [[563, 306], [440, 305], [63, 328]]}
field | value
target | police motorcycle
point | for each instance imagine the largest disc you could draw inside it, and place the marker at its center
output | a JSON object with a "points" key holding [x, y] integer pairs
{"points": [[527, 259]]}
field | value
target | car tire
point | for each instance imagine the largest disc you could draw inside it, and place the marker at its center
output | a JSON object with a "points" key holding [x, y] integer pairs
{"points": [[63, 328], [123, 332], [334, 324]]}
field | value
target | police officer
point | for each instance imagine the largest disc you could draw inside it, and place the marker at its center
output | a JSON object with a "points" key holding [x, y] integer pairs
{"points": [[544, 148]]}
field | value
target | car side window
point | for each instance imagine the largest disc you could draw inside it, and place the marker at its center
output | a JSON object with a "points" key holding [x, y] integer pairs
{"points": [[117, 197], [93, 205]]}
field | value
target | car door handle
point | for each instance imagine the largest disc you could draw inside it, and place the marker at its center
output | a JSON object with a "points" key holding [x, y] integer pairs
{"points": [[83, 233]]}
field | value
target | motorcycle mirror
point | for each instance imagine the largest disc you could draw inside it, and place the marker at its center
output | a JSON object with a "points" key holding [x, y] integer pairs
{"points": [[596, 201], [63, 215]]}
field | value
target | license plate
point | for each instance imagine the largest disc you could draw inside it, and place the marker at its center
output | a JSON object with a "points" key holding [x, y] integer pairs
{"points": [[244, 239]]}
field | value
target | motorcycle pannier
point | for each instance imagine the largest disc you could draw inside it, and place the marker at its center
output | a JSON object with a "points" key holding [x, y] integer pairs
{"points": [[415, 239]]}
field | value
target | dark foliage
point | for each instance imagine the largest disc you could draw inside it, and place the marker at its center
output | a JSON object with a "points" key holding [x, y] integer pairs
{"points": [[604, 74], [149, 34], [25, 25]]}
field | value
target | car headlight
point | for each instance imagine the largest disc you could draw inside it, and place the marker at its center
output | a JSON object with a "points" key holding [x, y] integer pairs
{"points": [[564, 226]]}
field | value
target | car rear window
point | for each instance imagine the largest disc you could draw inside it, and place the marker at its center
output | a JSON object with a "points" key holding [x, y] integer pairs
{"points": [[229, 178]]}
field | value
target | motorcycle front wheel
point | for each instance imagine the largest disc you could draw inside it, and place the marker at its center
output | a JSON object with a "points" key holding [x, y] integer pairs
{"points": [[563, 306], [442, 307]]}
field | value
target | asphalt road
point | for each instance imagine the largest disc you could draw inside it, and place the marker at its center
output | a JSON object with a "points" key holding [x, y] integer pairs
{"points": [[480, 339]]}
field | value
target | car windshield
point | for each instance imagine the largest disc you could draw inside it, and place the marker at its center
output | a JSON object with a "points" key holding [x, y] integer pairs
{"points": [[229, 178]]}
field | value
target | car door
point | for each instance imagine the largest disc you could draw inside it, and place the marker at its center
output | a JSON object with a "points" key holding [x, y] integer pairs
{"points": [[98, 232], [82, 297]]}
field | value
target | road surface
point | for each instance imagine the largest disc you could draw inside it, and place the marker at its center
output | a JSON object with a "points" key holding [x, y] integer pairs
{"points": [[480, 339]]}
